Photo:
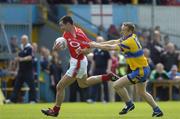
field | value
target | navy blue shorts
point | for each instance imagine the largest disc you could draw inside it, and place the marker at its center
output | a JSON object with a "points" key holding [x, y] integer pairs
{"points": [[139, 75]]}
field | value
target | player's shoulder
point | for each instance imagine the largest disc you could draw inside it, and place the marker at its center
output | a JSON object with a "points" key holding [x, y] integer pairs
{"points": [[132, 36], [66, 35], [79, 31]]}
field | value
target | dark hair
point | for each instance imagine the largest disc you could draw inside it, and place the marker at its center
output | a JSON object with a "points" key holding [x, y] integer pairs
{"points": [[66, 19], [130, 26]]}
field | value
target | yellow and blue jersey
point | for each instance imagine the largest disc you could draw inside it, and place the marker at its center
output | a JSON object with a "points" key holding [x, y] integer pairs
{"points": [[133, 52]]}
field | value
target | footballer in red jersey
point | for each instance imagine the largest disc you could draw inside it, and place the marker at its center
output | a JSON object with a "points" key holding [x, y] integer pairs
{"points": [[76, 42]]}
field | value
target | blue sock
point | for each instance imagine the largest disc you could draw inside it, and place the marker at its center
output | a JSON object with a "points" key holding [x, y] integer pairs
{"points": [[129, 103], [156, 109]]}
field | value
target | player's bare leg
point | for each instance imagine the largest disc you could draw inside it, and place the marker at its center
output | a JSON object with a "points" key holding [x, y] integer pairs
{"points": [[141, 89], [92, 80], [63, 83], [119, 87]]}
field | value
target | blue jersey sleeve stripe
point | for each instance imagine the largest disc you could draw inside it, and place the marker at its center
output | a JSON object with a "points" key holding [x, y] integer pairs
{"points": [[134, 54], [124, 46]]}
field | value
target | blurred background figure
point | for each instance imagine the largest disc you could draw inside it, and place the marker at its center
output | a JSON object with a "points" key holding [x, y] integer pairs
{"points": [[175, 75], [55, 71], [101, 64], [155, 47], [14, 45], [25, 72], [169, 57], [147, 55], [160, 74]]}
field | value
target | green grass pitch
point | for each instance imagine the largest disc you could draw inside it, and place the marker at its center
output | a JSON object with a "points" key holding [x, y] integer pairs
{"points": [[88, 111]]}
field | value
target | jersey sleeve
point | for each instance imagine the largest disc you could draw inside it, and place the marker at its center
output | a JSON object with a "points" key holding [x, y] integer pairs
{"points": [[125, 45], [83, 35], [65, 35]]}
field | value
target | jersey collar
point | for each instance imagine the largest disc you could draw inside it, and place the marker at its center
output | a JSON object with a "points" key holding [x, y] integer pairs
{"points": [[126, 37]]}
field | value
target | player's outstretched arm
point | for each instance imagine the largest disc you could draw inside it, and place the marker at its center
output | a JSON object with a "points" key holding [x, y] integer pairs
{"points": [[85, 51], [104, 46], [111, 42]]}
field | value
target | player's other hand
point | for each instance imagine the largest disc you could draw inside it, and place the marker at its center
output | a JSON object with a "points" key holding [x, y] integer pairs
{"points": [[57, 47]]}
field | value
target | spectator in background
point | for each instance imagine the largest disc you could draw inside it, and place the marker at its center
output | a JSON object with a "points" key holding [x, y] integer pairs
{"points": [[25, 72], [166, 40], [147, 55], [144, 38], [112, 32], [101, 64], [155, 47], [157, 28], [14, 49], [101, 31], [35, 63], [35, 60], [175, 75], [45, 59], [169, 57], [160, 74], [14, 45], [55, 71]]}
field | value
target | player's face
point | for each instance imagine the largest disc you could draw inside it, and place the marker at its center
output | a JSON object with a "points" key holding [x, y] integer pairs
{"points": [[124, 30], [62, 26]]}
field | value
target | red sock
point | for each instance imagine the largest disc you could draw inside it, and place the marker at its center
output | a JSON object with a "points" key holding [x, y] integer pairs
{"points": [[106, 77], [56, 109]]}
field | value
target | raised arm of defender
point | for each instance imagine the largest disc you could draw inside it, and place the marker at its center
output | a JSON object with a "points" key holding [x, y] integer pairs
{"points": [[108, 45], [111, 42]]}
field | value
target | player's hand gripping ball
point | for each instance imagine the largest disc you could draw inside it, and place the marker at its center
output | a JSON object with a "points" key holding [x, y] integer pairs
{"points": [[60, 44]]}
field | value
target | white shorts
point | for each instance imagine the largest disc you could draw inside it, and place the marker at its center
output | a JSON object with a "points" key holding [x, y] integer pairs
{"points": [[78, 68]]}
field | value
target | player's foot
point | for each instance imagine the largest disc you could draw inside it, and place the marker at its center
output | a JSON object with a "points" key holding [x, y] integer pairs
{"points": [[126, 109], [114, 77], [157, 114], [49, 112]]}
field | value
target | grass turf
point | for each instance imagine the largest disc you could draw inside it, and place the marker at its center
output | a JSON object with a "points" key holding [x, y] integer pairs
{"points": [[88, 111]]}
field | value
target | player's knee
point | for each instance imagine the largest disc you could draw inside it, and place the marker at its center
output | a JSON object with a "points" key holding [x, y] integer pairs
{"points": [[142, 93], [59, 86], [116, 86]]}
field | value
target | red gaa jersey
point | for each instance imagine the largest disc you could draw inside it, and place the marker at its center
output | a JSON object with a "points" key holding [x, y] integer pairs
{"points": [[79, 41]]}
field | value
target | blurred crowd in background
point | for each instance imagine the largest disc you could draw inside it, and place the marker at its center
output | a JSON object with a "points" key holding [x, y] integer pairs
{"points": [[158, 2], [163, 57]]}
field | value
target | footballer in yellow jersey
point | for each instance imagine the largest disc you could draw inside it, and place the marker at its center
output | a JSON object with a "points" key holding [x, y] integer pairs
{"points": [[133, 52]]}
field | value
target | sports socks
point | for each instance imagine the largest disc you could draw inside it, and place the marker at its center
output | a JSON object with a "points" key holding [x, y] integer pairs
{"points": [[129, 103], [106, 77], [56, 109], [156, 109]]}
